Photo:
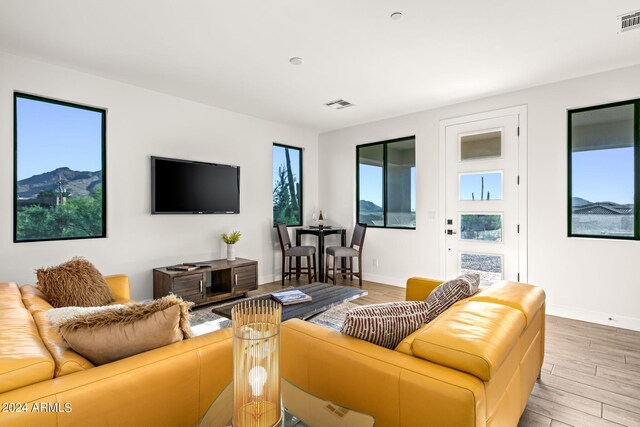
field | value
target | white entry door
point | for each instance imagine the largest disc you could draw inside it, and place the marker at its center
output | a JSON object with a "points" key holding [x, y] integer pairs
{"points": [[481, 198]]}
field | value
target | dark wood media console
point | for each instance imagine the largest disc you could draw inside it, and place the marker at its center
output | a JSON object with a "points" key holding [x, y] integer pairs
{"points": [[217, 281]]}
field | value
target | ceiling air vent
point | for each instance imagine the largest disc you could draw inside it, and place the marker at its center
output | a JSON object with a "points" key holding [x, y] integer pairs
{"points": [[629, 21], [339, 104]]}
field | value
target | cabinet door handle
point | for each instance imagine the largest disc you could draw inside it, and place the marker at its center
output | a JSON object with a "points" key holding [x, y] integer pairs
{"points": [[236, 280], [200, 285]]}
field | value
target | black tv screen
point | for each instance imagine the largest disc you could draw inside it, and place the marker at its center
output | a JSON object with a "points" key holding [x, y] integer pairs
{"points": [[183, 186]]}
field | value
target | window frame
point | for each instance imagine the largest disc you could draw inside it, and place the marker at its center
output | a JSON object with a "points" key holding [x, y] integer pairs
{"points": [[103, 153], [301, 150], [636, 169], [384, 181]]}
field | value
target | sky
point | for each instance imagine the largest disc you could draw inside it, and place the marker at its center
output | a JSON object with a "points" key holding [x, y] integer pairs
{"points": [[594, 182], [52, 136], [279, 159], [472, 183], [371, 185]]}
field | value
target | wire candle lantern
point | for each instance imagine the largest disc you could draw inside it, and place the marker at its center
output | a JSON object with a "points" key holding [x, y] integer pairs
{"points": [[256, 363]]}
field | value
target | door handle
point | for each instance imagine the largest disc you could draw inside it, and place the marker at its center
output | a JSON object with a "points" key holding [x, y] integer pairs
{"points": [[200, 285], [450, 231], [236, 280]]}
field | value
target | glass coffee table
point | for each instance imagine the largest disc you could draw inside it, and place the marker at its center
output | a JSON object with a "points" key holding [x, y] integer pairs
{"points": [[299, 409]]}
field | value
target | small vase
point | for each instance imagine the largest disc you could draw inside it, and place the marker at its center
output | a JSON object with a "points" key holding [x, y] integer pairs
{"points": [[231, 252]]}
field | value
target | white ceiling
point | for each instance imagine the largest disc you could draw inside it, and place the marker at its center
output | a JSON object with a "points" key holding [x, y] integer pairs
{"points": [[234, 53]]}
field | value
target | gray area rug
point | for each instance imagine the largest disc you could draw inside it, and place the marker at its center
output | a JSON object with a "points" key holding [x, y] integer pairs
{"points": [[334, 317], [204, 321], [203, 314]]}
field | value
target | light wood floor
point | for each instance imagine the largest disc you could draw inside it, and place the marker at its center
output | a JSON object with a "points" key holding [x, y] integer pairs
{"points": [[590, 377]]}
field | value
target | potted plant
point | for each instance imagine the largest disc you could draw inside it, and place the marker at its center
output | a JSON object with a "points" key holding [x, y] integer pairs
{"points": [[231, 239]]}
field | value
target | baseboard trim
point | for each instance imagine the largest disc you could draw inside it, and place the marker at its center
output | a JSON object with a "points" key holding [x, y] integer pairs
{"points": [[598, 317], [268, 278], [385, 280]]}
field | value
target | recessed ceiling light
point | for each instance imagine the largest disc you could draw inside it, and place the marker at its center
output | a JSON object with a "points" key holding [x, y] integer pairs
{"points": [[396, 15], [296, 61]]}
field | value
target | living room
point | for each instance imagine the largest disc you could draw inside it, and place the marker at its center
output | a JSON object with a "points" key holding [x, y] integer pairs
{"points": [[219, 83]]}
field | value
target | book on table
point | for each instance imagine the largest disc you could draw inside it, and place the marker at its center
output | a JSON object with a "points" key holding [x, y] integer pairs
{"points": [[183, 267], [290, 297]]}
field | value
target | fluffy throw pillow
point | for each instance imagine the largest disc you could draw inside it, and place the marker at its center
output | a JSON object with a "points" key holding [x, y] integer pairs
{"points": [[385, 324], [111, 335], [450, 292], [57, 316], [74, 283]]}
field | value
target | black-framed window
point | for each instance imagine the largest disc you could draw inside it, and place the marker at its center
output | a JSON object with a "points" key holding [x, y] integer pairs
{"points": [[59, 170], [604, 171], [287, 185], [386, 183]]}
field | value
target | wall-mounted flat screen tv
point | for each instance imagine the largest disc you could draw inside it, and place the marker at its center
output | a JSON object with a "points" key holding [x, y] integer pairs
{"points": [[190, 187]]}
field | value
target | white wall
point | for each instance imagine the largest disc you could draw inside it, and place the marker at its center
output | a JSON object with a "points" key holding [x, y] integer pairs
{"points": [[141, 123], [584, 278], [587, 279]]}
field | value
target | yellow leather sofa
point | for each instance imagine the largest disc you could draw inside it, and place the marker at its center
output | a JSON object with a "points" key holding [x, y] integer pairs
{"points": [[474, 365], [44, 383]]}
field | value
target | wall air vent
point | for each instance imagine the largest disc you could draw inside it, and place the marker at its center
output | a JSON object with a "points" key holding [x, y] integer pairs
{"points": [[629, 21], [339, 104]]}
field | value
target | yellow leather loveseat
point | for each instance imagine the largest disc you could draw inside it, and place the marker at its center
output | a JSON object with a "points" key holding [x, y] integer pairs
{"points": [[474, 365], [44, 383]]}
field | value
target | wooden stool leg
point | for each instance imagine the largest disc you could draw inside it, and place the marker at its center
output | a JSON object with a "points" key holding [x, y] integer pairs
{"points": [[360, 271], [351, 268], [326, 268], [309, 267], [284, 261], [315, 273], [334, 269]]}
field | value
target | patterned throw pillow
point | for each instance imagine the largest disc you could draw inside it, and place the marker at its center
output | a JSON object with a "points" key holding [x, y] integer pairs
{"points": [[385, 324], [75, 283], [450, 292]]}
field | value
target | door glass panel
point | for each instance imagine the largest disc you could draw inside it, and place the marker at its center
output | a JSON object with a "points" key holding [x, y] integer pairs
{"points": [[480, 146], [484, 227], [489, 267], [481, 186]]}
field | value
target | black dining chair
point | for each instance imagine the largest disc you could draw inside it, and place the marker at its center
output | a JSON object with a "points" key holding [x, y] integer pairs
{"points": [[289, 251], [349, 252]]}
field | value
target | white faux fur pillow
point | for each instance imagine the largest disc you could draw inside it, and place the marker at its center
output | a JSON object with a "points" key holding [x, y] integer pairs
{"points": [[60, 315], [110, 335]]}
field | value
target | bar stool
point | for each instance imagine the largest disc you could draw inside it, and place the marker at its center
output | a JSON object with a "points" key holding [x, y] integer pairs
{"points": [[349, 252], [289, 251]]}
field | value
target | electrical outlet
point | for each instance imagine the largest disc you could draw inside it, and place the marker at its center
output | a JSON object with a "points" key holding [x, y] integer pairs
{"points": [[375, 262]]}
